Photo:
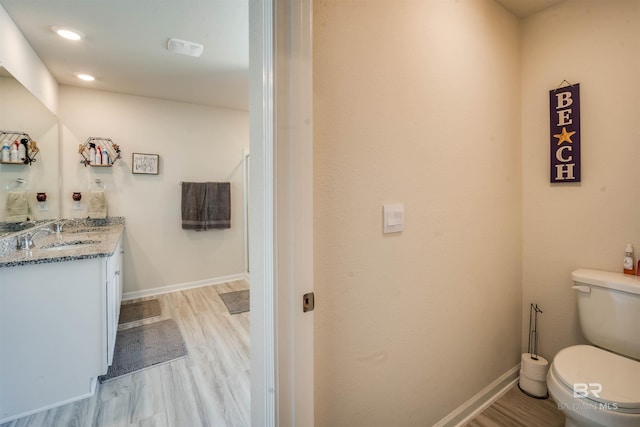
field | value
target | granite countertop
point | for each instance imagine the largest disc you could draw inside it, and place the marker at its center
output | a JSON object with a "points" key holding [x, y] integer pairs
{"points": [[7, 228], [79, 239]]}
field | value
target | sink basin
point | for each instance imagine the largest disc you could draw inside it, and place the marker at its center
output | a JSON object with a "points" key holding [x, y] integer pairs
{"points": [[72, 244]]}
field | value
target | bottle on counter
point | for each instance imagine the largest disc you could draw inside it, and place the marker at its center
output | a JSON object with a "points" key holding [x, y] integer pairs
{"points": [[629, 264]]}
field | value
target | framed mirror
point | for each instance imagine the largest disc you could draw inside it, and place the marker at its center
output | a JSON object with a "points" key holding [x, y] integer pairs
{"points": [[21, 111]]}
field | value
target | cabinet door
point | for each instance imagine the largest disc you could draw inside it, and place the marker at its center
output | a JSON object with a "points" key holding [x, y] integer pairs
{"points": [[119, 278], [114, 298], [52, 342]]}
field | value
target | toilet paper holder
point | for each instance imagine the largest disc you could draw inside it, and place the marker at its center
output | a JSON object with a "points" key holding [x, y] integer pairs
{"points": [[532, 349], [533, 368]]}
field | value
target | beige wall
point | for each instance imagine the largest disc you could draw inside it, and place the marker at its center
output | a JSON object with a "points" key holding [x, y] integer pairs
{"points": [[195, 143], [415, 102], [597, 44]]}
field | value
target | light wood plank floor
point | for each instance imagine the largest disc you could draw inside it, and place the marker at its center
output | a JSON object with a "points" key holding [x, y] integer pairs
{"points": [[516, 409], [210, 387]]}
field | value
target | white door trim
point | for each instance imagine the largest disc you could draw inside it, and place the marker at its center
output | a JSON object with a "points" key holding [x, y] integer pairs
{"points": [[281, 219], [261, 218], [294, 207]]}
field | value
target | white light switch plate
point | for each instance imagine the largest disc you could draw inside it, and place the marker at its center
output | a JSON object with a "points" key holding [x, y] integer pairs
{"points": [[393, 218]]}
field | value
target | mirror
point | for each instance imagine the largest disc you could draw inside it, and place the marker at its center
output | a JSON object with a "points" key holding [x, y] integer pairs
{"points": [[22, 112]]}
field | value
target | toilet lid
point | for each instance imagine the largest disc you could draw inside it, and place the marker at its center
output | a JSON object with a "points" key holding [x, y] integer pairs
{"points": [[589, 368]]}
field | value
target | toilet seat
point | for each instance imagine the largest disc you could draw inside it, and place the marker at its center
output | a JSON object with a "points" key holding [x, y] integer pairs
{"points": [[619, 376]]}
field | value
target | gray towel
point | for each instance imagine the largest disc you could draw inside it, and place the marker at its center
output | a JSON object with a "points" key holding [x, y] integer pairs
{"points": [[206, 205], [17, 206]]}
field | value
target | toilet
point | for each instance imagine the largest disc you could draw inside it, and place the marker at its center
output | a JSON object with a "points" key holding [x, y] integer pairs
{"points": [[599, 384]]}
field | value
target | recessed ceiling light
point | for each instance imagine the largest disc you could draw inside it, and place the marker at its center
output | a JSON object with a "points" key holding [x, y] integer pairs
{"points": [[67, 33], [85, 77]]}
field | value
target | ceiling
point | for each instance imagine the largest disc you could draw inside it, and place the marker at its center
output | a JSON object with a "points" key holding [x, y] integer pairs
{"points": [[125, 46], [126, 40]]}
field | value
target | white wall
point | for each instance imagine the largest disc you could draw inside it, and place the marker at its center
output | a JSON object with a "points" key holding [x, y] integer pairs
{"points": [[596, 44], [20, 111], [415, 102], [195, 143], [17, 56]]}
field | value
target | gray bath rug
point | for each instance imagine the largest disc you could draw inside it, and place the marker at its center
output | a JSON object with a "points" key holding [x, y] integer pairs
{"points": [[139, 310], [145, 346], [236, 302]]}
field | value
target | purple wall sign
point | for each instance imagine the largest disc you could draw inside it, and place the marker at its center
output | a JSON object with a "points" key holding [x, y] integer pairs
{"points": [[564, 116]]}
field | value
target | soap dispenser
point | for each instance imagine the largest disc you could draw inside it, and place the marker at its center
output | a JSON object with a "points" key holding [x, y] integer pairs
{"points": [[629, 264]]}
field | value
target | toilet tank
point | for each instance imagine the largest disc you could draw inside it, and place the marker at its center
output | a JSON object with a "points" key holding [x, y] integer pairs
{"points": [[609, 309]]}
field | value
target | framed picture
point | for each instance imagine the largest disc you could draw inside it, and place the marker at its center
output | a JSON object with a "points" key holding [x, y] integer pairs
{"points": [[145, 163]]}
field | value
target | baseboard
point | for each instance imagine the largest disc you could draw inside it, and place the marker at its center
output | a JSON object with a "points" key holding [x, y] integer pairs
{"points": [[482, 400], [182, 286]]}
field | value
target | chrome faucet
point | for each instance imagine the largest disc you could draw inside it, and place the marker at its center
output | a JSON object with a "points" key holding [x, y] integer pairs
{"points": [[58, 226], [25, 241]]}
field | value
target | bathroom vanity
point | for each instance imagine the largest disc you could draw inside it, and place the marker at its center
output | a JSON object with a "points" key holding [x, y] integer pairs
{"points": [[59, 308]]}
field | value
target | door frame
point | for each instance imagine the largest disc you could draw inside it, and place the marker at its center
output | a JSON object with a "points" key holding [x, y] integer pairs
{"points": [[281, 218]]}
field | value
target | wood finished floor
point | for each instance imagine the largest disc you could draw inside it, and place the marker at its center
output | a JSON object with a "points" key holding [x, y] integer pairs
{"points": [[516, 409], [210, 387]]}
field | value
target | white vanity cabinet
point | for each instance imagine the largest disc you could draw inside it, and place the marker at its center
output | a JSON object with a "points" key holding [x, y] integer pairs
{"points": [[58, 323]]}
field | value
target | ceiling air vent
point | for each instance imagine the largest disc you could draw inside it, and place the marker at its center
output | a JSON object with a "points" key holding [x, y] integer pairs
{"points": [[185, 47]]}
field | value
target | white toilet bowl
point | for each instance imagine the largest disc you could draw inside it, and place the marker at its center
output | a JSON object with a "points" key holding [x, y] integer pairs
{"points": [[594, 387]]}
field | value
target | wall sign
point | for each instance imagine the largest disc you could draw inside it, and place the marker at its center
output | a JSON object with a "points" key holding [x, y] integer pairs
{"points": [[145, 163], [564, 116]]}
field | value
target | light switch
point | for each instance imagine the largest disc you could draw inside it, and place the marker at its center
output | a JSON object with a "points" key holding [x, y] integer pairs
{"points": [[393, 218]]}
